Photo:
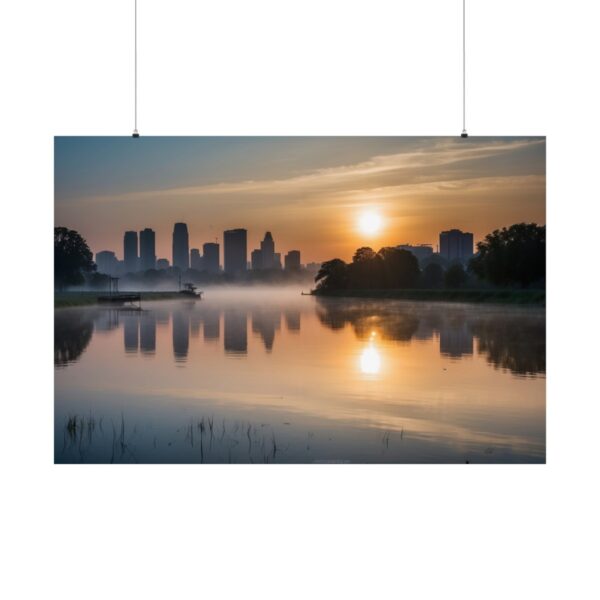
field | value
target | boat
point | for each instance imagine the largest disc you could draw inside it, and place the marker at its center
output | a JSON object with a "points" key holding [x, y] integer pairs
{"points": [[189, 292]]}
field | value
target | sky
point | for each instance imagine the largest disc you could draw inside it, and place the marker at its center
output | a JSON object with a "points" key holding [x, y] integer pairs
{"points": [[312, 193]]}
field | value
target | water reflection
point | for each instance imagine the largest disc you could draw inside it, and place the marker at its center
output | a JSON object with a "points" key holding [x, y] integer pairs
{"points": [[516, 344], [72, 334]]}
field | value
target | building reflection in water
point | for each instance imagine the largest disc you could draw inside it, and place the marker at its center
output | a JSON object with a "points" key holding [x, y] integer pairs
{"points": [[512, 339], [131, 332], [515, 342], [292, 320], [181, 335], [211, 320], [235, 331], [265, 322], [148, 333]]}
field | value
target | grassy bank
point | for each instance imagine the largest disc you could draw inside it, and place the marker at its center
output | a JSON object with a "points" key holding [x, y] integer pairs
{"points": [[67, 299], [535, 297]]}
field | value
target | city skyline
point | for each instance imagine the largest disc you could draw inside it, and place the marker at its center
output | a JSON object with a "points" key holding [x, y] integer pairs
{"points": [[318, 194]]}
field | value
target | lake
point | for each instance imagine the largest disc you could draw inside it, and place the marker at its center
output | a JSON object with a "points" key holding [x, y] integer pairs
{"points": [[270, 376]]}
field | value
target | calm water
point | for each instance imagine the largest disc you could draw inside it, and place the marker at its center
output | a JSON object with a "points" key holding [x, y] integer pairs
{"points": [[272, 376]]}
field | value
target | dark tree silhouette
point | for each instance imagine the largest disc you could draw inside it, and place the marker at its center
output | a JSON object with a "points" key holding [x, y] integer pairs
{"points": [[512, 256], [455, 276], [366, 270], [72, 258], [400, 268], [333, 275], [433, 275]]}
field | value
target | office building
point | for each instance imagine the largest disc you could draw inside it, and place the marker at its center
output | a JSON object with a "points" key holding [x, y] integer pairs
{"points": [[195, 259], [107, 263], [210, 258], [162, 263], [130, 251], [235, 251], [256, 260], [267, 250], [292, 260], [181, 247], [147, 249], [456, 245]]}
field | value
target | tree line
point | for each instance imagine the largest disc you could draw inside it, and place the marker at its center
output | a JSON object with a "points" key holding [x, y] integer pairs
{"points": [[507, 257]]}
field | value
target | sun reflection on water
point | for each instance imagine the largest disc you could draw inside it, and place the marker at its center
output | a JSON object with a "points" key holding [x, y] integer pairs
{"points": [[370, 359]]}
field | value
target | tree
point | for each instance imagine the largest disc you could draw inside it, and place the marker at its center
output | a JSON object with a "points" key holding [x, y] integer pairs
{"points": [[400, 268], [333, 275], [433, 275], [72, 258], [455, 276], [366, 270], [512, 256]]}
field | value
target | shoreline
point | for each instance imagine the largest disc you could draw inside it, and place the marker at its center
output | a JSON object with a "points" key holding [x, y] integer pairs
{"points": [[521, 297], [74, 299]]}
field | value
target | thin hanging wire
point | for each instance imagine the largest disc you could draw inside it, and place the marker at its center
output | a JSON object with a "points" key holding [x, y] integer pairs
{"points": [[135, 65], [464, 61]]}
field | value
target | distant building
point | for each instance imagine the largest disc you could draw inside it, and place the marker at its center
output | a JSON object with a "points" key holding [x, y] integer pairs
{"points": [[456, 245], [195, 259], [107, 263], [277, 261], [130, 251], [147, 249], [162, 263], [313, 267], [181, 246], [267, 249], [420, 251], [210, 260], [292, 260], [235, 251], [256, 260]]}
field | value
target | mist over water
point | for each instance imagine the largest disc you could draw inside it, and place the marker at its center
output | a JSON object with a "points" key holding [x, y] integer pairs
{"points": [[263, 374]]}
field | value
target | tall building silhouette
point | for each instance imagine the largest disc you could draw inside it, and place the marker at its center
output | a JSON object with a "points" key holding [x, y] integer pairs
{"points": [[456, 245], [147, 249], [181, 246], [256, 260], [292, 260], [236, 243], [210, 257], [267, 251], [107, 263], [195, 259], [130, 251]]}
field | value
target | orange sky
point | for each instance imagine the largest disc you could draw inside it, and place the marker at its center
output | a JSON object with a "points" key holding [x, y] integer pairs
{"points": [[309, 192]]}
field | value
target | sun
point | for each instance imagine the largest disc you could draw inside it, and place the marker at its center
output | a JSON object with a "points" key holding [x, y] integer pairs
{"points": [[370, 222]]}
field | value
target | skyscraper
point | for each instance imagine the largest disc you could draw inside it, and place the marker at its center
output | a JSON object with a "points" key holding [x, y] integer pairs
{"points": [[456, 245], [210, 260], [130, 251], [181, 246], [292, 260], [267, 249], [195, 259], [235, 241], [147, 249], [256, 259], [107, 263]]}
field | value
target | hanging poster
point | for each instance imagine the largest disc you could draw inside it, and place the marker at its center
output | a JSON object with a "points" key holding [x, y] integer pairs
{"points": [[299, 300]]}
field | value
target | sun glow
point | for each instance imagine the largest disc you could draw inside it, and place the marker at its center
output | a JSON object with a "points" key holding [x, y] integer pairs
{"points": [[370, 222]]}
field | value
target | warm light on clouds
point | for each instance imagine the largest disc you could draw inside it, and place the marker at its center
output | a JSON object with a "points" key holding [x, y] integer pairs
{"points": [[317, 195]]}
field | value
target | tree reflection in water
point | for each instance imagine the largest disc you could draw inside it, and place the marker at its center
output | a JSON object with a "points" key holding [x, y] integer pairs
{"points": [[72, 334], [512, 339]]}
